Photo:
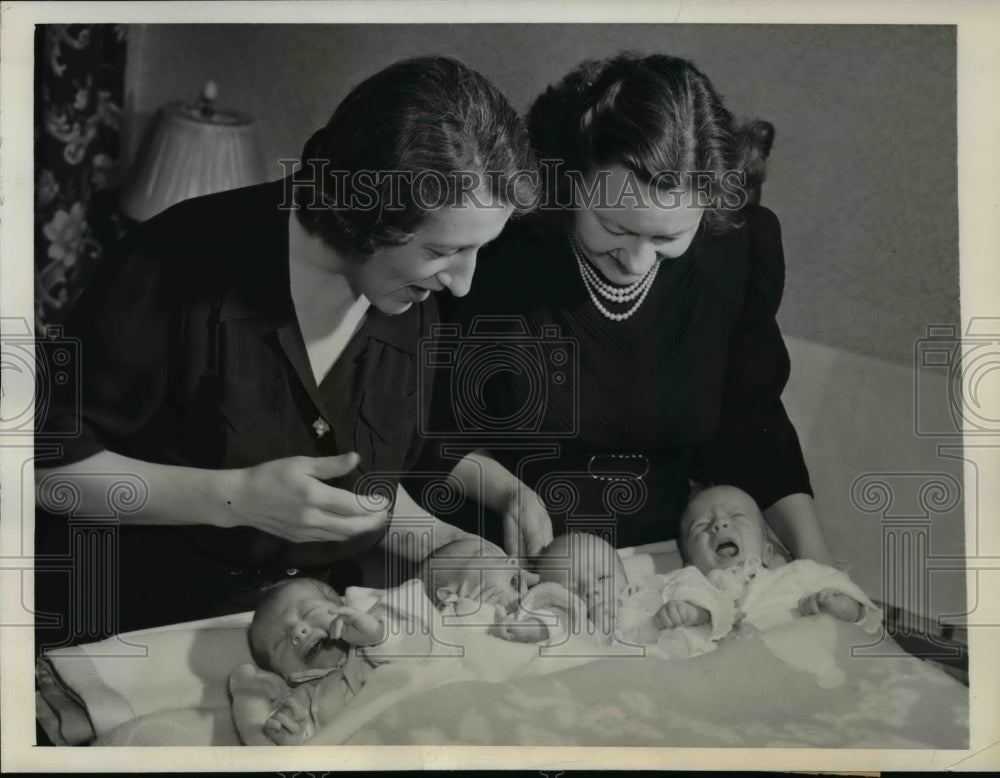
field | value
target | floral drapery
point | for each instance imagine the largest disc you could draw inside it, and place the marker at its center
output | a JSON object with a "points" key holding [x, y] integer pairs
{"points": [[79, 91]]}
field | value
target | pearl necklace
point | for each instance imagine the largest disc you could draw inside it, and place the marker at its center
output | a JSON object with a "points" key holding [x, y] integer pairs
{"points": [[617, 294]]}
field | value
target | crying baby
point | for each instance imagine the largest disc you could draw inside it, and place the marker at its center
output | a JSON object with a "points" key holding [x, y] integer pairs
{"points": [[729, 582]]}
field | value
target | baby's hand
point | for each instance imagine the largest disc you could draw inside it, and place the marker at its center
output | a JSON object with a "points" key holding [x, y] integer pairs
{"points": [[680, 613], [357, 627], [288, 724], [528, 630], [837, 604]]}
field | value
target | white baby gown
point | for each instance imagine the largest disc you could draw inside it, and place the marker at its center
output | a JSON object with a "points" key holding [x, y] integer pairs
{"points": [[749, 594]]}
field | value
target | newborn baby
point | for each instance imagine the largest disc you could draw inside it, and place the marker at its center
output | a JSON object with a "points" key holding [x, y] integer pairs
{"points": [[310, 636], [478, 583], [590, 568], [723, 538]]}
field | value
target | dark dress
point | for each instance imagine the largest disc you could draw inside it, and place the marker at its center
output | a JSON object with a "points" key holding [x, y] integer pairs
{"points": [[609, 420], [190, 354]]}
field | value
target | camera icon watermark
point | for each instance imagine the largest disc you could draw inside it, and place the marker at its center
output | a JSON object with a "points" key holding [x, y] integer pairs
{"points": [[502, 381], [957, 380], [36, 371]]}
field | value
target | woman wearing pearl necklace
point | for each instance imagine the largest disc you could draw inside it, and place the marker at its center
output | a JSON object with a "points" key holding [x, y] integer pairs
{"points": [[652, 269]]}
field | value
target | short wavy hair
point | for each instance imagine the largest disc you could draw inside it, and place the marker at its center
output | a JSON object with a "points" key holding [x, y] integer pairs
{"points": [[649, 114], [430, 115]]}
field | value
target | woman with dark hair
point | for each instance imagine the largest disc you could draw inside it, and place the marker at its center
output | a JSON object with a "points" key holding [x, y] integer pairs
{"points": [[654, 270], [257, 374]]}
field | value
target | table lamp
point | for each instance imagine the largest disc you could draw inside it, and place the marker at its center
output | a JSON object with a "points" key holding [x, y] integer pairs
{"points": [[194, 149]]}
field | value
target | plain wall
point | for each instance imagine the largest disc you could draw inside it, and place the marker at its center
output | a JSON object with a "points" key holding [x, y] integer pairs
{"points": [[862, 175]]}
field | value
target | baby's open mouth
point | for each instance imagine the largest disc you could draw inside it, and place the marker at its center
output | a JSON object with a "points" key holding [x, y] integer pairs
{"points": [[310, 649], [727, 549]]}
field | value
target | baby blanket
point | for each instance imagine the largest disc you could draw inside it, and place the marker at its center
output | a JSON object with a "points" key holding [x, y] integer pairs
{"points": [[738, 696]]}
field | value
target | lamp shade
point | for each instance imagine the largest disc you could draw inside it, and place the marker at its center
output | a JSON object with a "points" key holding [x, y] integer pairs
{"points": [[193, 150]]}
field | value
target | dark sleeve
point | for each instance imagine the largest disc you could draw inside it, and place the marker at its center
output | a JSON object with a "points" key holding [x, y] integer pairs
{"points": [[756, 447], [119, 333], [422, 454]]}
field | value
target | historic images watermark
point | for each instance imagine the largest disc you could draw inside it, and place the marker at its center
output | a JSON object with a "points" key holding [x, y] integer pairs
{"points": [[315, 186]]}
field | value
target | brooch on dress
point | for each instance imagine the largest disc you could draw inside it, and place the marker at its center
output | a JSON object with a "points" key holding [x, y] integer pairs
{"points": [[321, 427]]}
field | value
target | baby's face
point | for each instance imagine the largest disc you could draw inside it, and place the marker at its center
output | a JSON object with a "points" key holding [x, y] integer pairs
{"points": [[722, 527], [293, 629], [595, 571]]}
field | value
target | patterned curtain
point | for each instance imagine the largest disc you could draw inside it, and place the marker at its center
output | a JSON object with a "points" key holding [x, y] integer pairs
{"points": [[79, 91]]}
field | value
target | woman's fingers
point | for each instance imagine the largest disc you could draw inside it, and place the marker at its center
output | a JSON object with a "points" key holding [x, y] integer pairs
{"points": [[325, 468], [533, 547], [340, 502], [529, 578], [287, 498], [345, 526], [527, 527], [316, 525], [511, 535], [538, 535]]}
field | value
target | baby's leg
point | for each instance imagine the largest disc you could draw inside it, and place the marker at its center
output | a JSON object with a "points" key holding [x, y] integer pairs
{"points": [[837, 604]]}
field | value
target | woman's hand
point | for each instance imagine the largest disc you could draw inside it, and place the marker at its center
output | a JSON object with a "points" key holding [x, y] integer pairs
{"points": [[527, 528], [287, 498]]}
